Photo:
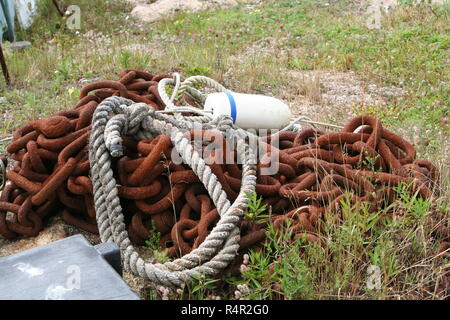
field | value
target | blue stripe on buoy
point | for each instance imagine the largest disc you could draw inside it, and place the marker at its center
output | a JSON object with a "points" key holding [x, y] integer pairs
{"points": [[232, 105]]}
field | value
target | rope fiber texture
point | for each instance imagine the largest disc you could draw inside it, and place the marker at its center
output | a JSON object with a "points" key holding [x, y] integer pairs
{"points": [[122, 117]]}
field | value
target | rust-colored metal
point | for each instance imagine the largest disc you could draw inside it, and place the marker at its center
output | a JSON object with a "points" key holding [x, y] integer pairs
{"points": [[58, 8], [317, 170], [53, 127], [4, 67]]}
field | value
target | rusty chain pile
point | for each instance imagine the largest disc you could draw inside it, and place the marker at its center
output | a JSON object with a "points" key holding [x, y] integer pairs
{"points": [[321, 172], [51, 168], [321, 169], [316, 171]]}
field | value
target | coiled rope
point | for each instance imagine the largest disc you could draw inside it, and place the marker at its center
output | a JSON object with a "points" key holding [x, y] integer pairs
{"points": [[116, 117]]}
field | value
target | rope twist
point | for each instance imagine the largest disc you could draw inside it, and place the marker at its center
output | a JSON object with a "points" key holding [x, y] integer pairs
{"points": [[116, 117]]}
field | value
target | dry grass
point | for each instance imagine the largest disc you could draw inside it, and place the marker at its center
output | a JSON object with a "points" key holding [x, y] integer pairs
{"points": [[310, 87]]}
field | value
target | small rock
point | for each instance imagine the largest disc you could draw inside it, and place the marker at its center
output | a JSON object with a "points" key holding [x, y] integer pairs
{"points": [[20, 45], [84, 81]]}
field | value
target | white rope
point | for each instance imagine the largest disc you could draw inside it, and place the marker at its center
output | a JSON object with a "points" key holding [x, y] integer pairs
{"points": [[2, 175], [117, 116], [187, 87]]}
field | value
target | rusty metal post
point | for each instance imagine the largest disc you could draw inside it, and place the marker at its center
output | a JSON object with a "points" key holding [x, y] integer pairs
{"points": [[61, 12], [4, 66]]}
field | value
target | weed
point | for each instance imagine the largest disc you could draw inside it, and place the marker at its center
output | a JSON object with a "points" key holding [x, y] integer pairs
{"points": [[202, 286], [310, 87], [196, 70], [255, 207], [125, 58], [152, 244]]}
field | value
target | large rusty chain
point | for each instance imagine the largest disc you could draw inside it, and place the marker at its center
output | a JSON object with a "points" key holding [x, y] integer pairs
{"points": [[317, 171]]}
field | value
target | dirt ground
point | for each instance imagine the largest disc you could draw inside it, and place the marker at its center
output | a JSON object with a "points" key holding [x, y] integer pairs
{"points": [[153, 10], [323, 91]]}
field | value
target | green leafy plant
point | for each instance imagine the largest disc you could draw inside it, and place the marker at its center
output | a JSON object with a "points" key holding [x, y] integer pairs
{"points": [[198, 70], [278, 269], [125, 58], [370, 162], [416, 206], [255, 207], [152, 244], [203, 286], [296, 277]]}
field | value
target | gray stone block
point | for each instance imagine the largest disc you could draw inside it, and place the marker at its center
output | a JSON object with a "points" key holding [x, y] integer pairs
{"points": [[20, 45], [68, 269]]}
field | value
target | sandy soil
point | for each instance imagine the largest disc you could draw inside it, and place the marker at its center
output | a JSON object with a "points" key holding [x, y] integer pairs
{"points": [[151, 10]]}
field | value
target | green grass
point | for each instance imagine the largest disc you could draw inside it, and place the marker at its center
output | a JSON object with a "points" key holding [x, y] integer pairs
{"points": [[410, 50], [251, 50], [339, 268], [396, 245]]}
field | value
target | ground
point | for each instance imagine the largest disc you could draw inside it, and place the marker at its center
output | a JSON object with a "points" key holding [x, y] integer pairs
{"points": [[154, 10], [318, 56]]}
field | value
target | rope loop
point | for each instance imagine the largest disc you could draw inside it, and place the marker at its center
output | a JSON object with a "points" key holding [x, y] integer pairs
{"points": [[116, 117]]}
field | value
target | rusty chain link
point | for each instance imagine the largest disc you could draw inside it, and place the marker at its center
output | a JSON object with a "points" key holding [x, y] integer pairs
{"points": [[363, 162]]}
